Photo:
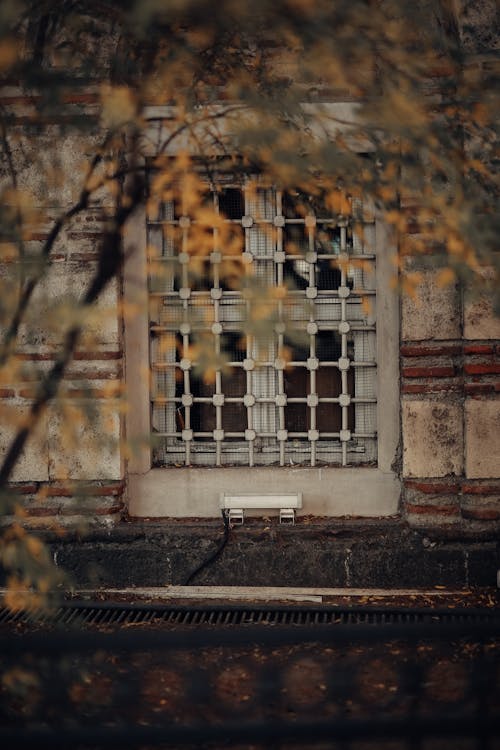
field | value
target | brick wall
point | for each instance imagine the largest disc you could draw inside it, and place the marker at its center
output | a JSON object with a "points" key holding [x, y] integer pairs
{"points": [[450, 391], [450, 371], [71, 475]]}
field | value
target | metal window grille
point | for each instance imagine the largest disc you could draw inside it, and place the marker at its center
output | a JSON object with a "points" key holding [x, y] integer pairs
{"points": [[304, 394]]}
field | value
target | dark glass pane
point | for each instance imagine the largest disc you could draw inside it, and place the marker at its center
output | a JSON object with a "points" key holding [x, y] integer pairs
{"points": [[296, 386], [328, 346], [232, 203]]}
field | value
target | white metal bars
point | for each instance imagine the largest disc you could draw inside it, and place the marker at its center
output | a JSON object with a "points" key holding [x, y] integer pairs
{"points": [[302, 393]]}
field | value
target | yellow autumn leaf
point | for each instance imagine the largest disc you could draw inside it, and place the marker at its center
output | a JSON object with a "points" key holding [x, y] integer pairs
{"points": [[445, 277], [34, 546], [8, 252], [9, 53], [410, 283], [118, 106], [366, 305], [455, 245]]}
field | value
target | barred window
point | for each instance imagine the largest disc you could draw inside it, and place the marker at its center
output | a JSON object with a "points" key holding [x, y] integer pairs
{"points": [[304, 391]]}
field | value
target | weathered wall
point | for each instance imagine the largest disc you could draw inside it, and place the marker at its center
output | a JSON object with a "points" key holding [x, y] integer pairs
{"points": [[354, 554], [71, 471], [450, 408], [450, 423], [450, 368]]}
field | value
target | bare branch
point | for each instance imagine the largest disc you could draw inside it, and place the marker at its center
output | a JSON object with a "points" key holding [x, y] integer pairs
{"points": [[13, 329], [13, 178], [109, 265]]}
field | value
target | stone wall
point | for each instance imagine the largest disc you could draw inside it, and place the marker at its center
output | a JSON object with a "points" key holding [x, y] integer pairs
{"points": [[71, 472], [450, 418], [450, 389]]}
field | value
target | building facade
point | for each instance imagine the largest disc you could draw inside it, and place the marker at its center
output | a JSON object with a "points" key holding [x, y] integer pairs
{"points": [[384, 417]]}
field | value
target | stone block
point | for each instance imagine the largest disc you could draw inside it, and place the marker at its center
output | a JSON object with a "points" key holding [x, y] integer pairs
{"points": [[483, 562], [480, 321], [116, 564], [54, 308], [84, 442], [32, 465], [409, 566], [482, 438], [52, 167], [432, 438], [434, 313]]}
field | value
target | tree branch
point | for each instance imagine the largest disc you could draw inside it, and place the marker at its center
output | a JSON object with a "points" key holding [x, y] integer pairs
{"points": [[12, 331], [109, 265]]}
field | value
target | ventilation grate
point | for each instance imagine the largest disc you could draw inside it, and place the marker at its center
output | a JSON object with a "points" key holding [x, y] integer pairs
{"points": [[117, 615]]}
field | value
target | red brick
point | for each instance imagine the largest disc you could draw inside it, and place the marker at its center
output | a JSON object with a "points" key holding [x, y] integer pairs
{"points": [[42, 510], [428, 372], [108, 489], [93, 490], [91, 257], [431, 387], [80, 98], [23, 489], [478, 349], [9, 101], [433, 488], [28, 393], [34, 356], [105, 355], [443, 71], [481, 514], [37, 236], [481, 489], [482, 368], [117, 508], [39, 120], [104, 510], [55, 510], [423, 350], [79, 355], [7, 393], [92, 375], [82, 235], [74, 98], [91, 393], [59, 491], [478, 388], [434, 510]]}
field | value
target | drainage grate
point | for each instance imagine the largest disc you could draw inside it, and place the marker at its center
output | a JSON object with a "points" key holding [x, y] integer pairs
{"points": [[92, 614]]}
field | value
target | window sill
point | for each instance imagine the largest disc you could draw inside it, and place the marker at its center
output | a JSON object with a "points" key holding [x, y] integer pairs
{"points": [[327, 491]]}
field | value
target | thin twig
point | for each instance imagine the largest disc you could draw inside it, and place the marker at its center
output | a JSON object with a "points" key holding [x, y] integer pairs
{"points": [[110, 262], [12, 330]]}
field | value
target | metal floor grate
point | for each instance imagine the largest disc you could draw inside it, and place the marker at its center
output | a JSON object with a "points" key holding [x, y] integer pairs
{"points": [[90, 614]]}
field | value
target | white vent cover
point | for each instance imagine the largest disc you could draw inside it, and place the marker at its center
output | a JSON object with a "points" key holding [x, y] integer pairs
{"points": [[260, 502]]}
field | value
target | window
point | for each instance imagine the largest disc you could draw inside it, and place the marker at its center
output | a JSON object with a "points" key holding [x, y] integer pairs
{"points": [[304, 392], [311, 407]]}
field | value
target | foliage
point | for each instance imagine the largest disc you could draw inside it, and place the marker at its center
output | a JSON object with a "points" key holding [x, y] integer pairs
{"points": [[337, 100]]}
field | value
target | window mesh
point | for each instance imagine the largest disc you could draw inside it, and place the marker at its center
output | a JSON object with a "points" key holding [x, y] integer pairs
{"points": [[302, 394]]}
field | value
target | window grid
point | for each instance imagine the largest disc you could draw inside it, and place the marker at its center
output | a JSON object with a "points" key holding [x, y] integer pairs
{"points": [[270, 409]]}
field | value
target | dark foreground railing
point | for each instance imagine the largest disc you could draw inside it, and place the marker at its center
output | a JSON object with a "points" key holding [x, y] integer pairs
{"points": [[428, 684]]}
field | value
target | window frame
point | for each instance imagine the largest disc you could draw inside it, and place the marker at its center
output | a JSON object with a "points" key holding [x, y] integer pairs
{"points": [[194, 491], [311, 440]]}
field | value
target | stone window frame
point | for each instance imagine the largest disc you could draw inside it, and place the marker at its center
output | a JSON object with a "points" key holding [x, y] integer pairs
{"points": [[192, 492]]}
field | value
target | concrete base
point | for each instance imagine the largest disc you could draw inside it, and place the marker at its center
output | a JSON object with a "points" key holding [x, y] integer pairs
{"points": [[379, 554], [267, 594]]}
